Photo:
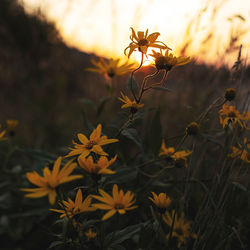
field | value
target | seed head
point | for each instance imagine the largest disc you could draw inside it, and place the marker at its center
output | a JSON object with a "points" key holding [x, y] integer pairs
{"points": [[193, 128], [230, 94]]}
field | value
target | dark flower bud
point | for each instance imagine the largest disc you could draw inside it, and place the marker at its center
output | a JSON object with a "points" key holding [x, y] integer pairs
{"points": [[193, 128], [230, 94]]}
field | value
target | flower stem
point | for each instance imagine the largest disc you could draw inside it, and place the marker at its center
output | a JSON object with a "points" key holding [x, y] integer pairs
{"points": [[131, 78]]}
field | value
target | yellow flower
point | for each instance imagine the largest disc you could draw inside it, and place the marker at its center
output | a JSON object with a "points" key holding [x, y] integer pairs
{"points": [[130, 104], [120, 202], [71, 208], [50, 180], [99, 167], [12, 126], [93, 144], [110, 67], [241, 152], [2, 133], [179, 157], [168, 61], [232, 115], [161, 200], [181, 228], [143, 41], [90, 234]]}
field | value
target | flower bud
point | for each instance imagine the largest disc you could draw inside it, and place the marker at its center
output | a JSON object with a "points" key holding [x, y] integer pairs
{"points": [[230, 94], [193, 128]]}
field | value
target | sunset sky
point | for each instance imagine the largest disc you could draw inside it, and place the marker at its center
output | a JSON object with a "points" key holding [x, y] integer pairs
{"points": [[103, 26]]}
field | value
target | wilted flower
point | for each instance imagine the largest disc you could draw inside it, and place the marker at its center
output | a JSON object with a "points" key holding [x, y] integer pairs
{"points": [[133, 105], [71, 208], [50, 180], [181, 229], [111, 67], [93, 144], [168, 61], [241, 152], [230, 94], [179, 157], [193, 128], [97, 168], [162, 201], [143, 41], [12, 126], [232, 116], [120, 202]]}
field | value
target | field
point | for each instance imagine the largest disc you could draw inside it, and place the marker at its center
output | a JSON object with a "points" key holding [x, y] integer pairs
{"points": [[103, 154]]}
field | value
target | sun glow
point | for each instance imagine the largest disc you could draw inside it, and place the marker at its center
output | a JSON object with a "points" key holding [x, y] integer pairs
{"points": [[202, 29]]}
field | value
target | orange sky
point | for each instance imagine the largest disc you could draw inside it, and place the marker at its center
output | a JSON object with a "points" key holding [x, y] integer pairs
{"points": [[103, 26]]}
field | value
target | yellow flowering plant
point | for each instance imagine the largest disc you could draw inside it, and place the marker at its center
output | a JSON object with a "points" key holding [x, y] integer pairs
{"points": [[71, 208], [111, 67], [50, 180], [119, 202], [138, 192], [142, 41], [93, 144]]}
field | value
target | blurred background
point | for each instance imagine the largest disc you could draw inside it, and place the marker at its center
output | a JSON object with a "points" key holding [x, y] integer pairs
{"points": [[45, 47]]}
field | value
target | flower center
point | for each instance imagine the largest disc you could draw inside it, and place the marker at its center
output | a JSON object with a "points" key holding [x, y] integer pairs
{"points": [[143, 42], [231, 114], [111, 72], [119, 206], [90, 145], [179, 231]]}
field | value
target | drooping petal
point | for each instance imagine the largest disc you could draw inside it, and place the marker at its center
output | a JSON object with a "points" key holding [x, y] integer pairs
{"points": [[52, 196], [108, 214]]}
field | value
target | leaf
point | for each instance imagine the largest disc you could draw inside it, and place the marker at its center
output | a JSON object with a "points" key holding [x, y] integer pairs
{"points": [[40, 155], [115, 238], [86, 101], [135, 85], [155, 133], [123, 175], [211, 139], [240, 186], [101, 106], [55, 243], [132, 134], [161, 89]]}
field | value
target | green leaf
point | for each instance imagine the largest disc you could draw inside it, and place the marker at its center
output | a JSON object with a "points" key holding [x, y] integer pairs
{"points": [[123, 175], [135, 85], [162, 89], [211, 139], [155, 133], [132, 134], [86, 101], [240, 186], [115, 238], [55, 243], [101, 106]]}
